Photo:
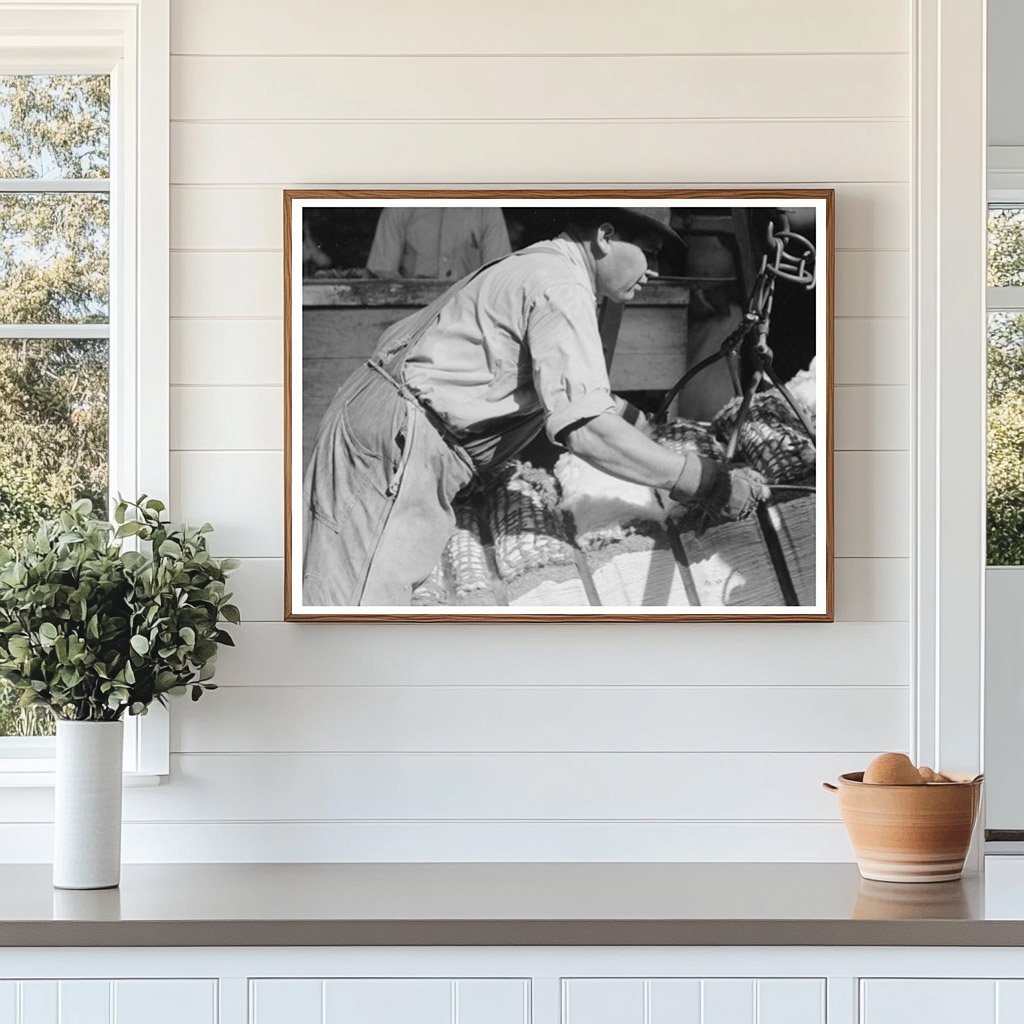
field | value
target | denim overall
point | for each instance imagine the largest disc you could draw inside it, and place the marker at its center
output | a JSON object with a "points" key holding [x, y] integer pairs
{"points": [[378, 491]]}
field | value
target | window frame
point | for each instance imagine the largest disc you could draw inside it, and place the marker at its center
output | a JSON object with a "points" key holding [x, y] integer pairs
{"points": [[1003, 715], [130, 41]]}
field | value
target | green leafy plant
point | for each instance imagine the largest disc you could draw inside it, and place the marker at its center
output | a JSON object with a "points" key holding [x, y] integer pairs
{"points": [[91, 630]]}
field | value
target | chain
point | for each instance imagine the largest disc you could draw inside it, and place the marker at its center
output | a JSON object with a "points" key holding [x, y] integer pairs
{"points": [[790, 257]]}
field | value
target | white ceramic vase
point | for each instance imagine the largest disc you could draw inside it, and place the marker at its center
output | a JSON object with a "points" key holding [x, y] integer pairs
{"points": [[87, 805]]}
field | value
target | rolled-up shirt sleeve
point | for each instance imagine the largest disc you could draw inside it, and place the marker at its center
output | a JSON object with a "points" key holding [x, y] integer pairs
{"points": [[569, 374]]}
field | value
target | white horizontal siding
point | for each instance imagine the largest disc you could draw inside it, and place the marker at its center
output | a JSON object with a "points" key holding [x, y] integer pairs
{"points": [[156, 842], [242, 353], [719, 718], [551, 151], [872, 504], [536, 26], [872, 351], [536, 87], [872, 418], [608, 786], [277, 654], [241, 493], [868, 216], [208, 418], [545, 786]]}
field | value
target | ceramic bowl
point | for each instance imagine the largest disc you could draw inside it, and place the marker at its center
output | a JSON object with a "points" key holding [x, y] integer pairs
{"points": [[909, 833]]}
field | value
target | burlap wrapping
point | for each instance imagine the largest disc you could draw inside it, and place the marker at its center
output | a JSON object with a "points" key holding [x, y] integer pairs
{"points": [[772, 440]]}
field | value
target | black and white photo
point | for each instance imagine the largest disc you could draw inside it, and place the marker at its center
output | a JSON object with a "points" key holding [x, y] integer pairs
{"points": [[558, 405]]}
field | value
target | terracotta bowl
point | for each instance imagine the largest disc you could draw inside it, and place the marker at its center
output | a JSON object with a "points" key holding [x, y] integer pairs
{"points": [[909, 833]]}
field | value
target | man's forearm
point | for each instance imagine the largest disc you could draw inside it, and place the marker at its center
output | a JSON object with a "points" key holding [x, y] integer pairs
{"points": [[610, 444], [629, 412]]}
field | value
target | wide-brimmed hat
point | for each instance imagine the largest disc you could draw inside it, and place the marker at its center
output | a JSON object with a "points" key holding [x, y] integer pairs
{"points": [[651, 219]]}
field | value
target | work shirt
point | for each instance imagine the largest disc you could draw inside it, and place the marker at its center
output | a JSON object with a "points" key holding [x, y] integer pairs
{"points": [[514, 349], [436, 241]]}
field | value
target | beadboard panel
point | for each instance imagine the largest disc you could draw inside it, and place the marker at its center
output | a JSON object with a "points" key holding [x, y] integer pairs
{"points": [[120, 1001], [334, 88], [242, 493], [868, 216], [389, 1000], [233, 284], [577, 654], [693, 1000], [867, 589], [402, 27], [156, 842], [470, 787], [936, 1000], [250, 418], [479, 151], [250, 351], [579, 719]]}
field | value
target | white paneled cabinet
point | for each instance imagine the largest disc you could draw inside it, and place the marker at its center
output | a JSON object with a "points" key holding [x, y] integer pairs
{"points": [[105, 1001], [389, 1001], [942, 1001], [513, 985], [693, 1001]]}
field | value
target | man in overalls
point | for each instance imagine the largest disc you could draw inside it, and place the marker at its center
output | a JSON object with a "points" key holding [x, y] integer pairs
{"points": [[469, 381]]}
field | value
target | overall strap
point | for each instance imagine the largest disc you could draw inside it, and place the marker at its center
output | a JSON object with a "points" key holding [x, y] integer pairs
{"points": [[392, 353], [394, 349]]}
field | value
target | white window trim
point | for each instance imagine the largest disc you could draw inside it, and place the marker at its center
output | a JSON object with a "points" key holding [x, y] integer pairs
{"points": [[130, 40], [949, 441]]}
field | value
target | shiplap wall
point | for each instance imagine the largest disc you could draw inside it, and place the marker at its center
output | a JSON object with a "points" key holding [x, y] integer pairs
{"points": [[680, 741]]}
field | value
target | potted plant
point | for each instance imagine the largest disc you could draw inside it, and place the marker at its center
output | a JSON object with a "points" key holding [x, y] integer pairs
{"points": [[92, 631]]}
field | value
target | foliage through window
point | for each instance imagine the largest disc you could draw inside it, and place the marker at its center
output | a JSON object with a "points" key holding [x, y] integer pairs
{"points": [[54, 308]]}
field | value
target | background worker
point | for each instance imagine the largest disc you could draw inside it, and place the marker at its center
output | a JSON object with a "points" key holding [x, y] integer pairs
{"points": [[465, 383], [436, 241]]}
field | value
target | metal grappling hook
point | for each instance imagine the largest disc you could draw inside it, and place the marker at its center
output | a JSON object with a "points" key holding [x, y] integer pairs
{"points": [[792, 259]]}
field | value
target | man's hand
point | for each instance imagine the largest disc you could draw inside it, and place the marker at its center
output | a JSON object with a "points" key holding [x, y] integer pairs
{"points": [[724, 494]]}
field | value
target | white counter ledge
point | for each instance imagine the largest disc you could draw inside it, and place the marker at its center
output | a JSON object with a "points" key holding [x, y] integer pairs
{"points": [[559, 904]]}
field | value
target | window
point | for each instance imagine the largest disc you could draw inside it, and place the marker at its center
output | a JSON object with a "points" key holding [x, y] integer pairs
{"points": [[1005, 534], [84, 124], [54, 309]]}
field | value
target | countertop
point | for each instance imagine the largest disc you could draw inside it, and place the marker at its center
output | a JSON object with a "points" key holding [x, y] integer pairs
{"points": [[476, 904]]}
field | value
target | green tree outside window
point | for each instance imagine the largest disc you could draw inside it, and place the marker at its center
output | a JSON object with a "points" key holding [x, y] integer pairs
{"points": [[1005, 484], [54, 272]]}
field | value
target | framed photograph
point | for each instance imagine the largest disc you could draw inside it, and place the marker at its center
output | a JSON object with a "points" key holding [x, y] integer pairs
{"points": [[565, 405]]}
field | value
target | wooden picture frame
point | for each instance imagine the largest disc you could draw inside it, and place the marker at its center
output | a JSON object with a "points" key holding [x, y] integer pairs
{"points": [[333, 317]]}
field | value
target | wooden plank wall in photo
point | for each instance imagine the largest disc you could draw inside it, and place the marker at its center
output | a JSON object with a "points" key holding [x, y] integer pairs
{"points": [[547, 742]]}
